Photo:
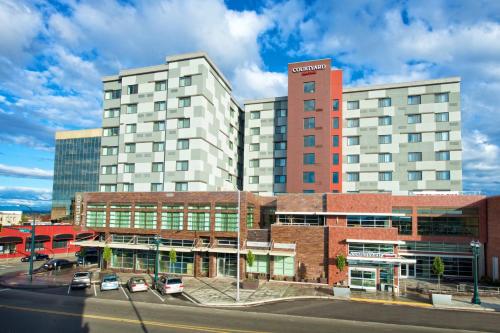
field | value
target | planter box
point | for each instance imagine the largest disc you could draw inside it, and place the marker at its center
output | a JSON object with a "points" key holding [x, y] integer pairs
{"points": [[441, 299], [341, 292], [250, 284]]}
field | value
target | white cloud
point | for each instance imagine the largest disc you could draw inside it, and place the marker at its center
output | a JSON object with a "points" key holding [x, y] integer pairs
{"points": [[38, 198], [255, 83], [17, 171]]}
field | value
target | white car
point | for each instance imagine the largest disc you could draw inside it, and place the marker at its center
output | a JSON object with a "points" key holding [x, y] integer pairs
{"points": [[81, 280], [110, 282], [137, 283], [170, 285]]}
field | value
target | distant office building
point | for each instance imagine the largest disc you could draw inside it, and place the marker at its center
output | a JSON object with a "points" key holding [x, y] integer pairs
{"points": [[76, 168], [10, 217]]}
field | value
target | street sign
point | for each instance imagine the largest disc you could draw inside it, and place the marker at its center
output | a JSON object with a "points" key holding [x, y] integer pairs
{"points": [[24, 230]]}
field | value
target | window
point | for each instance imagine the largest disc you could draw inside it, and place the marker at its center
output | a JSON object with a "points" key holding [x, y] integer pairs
{"points": [[414, 137], [280, 162], [185, 81], [310, 105], [414, 100], [462, 222], [253, 179], [415, 156], [172, 220], [182, 165], [157, 167], [160, 85], [309, 87], [181, 187], [199, 220], [144, 220], [281, 113], [308, 177], [156, 187], [335, 122], [255, 131], [335, 159], [386, 120], [182, 144], [109, 151], [130, 147], [226, 221], [351, 123], [280, 145], [280, 179], [254, 147], [160, 106], [131, 108], [442, 97], [158, 146], [384, 102], [335, 105], [184, 102], [443, 155], [128, 187], [108, 188], [385, 139], [385, 176], [183, 123], [280, 129], [112, 113], [442, 175], [158, 126], [96, 219], [385, 158], [414, 175], [309, 158], [352, 159], [112, 94], [443, 136], [353, 176], [108, 170], [131, 128], [284, 266], [261, 264], [231, 145], [129, 168], [442, 117], [335, 177], [110, 131], [132, 89], [230, 161], [309, 141], [255, 163], [255, 115], [308, 191], [352, 105], [414, 119], [352, 141], [309, 122]]}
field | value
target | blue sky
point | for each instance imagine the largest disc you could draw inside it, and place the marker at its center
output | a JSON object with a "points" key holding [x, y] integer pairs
{"points": [[53, 54]]}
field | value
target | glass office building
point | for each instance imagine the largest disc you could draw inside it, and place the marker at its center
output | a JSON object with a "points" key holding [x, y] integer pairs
{"points": [[76, 168]]}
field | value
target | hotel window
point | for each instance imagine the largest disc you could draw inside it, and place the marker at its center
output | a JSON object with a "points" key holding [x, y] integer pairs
{"points": [[185, 81], [160, 85], [384, 102], [182, 165], [108, 170], [231, 145], [414, 100], [353, 176], [157, 167], [253, 179], [415, 156], [112, 94], [226, 218], [255, 115], [384, 139], [131, 108], [173, 220], [156, 187], [309, 87], [183, 123], [308, 191], [414, 119], [144, 220], [158, 146], [385, 158], [352, 159], [352, 105], [335, 105], [182, 144], [108, 188], [184, 102], [310, 105], [254, 146], [309, 158], [199, 219], [158, 126], [351, 123], [230, 161], [443, 155], [110, 131], [414, 137], [131, 128], [112, 113], [443, 136], [280, 162], [255, 163], [181, 187], [335, 177], [309, 141], [130, 147], [280, 145], [128, 187], [442, 117], [309, 122], [385, 176], [280, 129], [129, 168], [352, 141], [120, 218], [160, 106], [308, 177], [281, 113], [335, 140], [109, 151], [280, 179], [414, 175], [335, 159], [255, 131], [442, 97], [385, 120], [442, 175], [335, 122], [132, 89]]}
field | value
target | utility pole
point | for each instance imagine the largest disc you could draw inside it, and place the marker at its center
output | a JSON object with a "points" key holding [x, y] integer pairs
{"points": [[475, 245], [32, 247]]}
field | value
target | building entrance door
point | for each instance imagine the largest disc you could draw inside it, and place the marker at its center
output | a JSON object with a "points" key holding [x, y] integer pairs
{"points": [[363, 278], [407, 271], [226, 264]]}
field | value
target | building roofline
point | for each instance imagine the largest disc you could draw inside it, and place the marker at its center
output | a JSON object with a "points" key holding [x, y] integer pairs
{"points": [[453, 79], [79, 134], [135, 71], [265, 100]]}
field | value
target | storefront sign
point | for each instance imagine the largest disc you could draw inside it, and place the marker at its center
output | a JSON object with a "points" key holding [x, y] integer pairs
{"points": [[371, 254], [308, 68], [78, 207]]}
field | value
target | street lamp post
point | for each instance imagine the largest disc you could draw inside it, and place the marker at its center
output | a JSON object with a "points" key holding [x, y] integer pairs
{"points": [[475, 245], [32, 247], [238, 244], [157, 259]]}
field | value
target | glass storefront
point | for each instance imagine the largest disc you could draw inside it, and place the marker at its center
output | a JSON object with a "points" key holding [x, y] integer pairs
{"points": [[122, 258], [226, 264], [184, 263], [456, 267]]}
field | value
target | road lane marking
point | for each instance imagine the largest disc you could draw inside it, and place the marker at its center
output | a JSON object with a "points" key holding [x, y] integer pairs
{"points": [[4, 289], [157, 295], [132, 321], [95, 292], [127, 296], [69, 288], [423, 305]]}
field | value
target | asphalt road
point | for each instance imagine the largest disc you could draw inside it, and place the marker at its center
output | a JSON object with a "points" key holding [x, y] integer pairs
{"points": [[49, 312]]}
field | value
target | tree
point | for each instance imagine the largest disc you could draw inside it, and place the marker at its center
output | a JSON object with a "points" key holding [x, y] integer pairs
{"points": [[438, 269], [341, 261], [172, 257], [250, 258], [107, 254]]}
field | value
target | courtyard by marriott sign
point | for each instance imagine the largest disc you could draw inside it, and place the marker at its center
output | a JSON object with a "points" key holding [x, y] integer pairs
{"points": [[308, 68]]}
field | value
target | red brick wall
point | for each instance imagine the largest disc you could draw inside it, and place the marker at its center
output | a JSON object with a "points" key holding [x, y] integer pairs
{"points": [[299, 202], [493, 245]]}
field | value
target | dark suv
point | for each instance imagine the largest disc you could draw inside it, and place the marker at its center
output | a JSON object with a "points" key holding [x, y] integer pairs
{"points": [[55, 264], [36, 257]]}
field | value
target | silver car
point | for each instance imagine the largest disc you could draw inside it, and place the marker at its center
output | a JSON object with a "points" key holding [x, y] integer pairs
{"points": [[110, 282], [81, 280], [170, 285]]}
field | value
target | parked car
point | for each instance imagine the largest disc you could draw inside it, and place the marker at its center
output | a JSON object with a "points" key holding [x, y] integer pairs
{"points": [[81, 280], [110, 282], [137, 283], [36, 257], [170, 285], [55, 264]]}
